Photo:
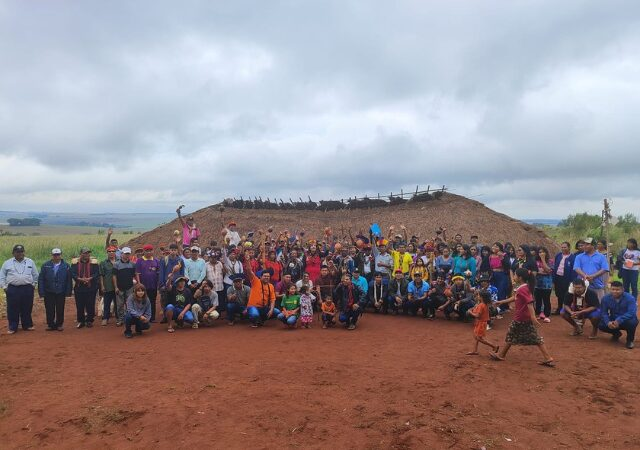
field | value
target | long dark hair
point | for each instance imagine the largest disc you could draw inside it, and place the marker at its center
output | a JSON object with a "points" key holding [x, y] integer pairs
{"points": [[527, 277], [633, 242]]}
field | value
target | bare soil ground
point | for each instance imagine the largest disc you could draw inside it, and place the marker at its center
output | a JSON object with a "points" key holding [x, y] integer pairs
{"points": [[395, 382]]}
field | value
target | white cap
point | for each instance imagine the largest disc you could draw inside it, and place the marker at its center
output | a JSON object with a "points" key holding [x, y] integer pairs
{"points": [[126, 250], [56, 251], [195, 248]]}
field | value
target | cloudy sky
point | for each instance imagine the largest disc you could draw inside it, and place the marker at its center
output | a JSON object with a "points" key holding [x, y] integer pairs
{"points": [[532, 107]]}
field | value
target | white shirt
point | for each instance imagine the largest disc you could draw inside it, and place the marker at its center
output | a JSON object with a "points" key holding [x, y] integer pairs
{"points": [[18, 273], [233, 236]]}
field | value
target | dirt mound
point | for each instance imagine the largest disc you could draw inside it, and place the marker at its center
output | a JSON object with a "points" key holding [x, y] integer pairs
{"points": [[456, 213]]}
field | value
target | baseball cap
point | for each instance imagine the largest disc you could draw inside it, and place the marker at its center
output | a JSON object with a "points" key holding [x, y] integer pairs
{"points": [[588, 240], [195, 248], [147, 247], [85, 250], [126, 250], [56, 251], [112, 248], [18, 248]]}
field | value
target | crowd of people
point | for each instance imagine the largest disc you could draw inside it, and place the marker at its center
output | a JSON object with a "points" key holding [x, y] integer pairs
{"points": [[330, 280]]}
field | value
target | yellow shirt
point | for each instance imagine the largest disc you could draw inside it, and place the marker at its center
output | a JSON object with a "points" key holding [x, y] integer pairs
{"points": [[401, 262]]}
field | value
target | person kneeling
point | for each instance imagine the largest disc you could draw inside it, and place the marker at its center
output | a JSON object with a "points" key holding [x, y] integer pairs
{"points": [[328, 313], [581, 303], [179, 300], [619, 313], [205, 308], [138, 311], [290, 308]]}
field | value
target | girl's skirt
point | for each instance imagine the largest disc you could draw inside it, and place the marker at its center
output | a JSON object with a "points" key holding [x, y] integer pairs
{"points": [[523, 333]]}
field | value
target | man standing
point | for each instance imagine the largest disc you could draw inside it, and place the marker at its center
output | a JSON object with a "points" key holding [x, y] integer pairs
{"points": [[591, 266], [54, 285], [189, 229], [86, 273], [383, 260], [195, 269], [124, 272], [215, 274], [106, 284], [148, 273], [18, 277], [619, 312]]}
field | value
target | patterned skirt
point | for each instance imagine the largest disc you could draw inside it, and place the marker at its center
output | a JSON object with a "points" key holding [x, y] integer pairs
{"points": [[523, 333]]}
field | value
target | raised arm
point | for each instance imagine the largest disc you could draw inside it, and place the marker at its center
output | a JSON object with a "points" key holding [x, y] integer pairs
{"points": [[178, 211]]}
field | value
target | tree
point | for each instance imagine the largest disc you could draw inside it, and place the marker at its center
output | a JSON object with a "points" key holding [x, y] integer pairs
{"points": [[581, 223], [628, 223]]}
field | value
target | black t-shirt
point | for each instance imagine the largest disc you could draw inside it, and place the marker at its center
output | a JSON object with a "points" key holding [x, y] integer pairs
{"points": [[125, 272], [180, 299], [590, 300]]}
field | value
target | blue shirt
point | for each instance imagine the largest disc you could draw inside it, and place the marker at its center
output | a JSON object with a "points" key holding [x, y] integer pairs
{"points": [[416, 291], [195, 270], [590, 264], [623, 310], [362, 283]]}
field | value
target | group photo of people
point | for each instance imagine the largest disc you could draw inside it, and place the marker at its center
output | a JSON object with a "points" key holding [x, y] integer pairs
{"points": [[332, 281]]}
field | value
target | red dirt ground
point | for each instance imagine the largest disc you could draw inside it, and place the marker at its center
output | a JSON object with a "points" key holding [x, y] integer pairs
{"points": [[395, 382]]}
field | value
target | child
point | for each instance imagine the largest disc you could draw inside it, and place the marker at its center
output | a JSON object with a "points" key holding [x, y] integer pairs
{"points": [[290, 308], [328, 313], [481, 314], [306, 307], [524, 328]]}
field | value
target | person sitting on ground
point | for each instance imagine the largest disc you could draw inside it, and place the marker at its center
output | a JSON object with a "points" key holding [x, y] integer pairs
{"points": [[290, 310], [237, 298], [349, 301], [417, 293], [378, 294], [179, 301], [619, 313], [398, 291], [282, 288], [206, 307], [328, 313], [438, 296], [360, 281], [581, 304], [138, 311]]}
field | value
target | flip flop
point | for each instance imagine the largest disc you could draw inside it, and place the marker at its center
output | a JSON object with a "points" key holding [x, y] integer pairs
{"points": [[495, 356], [171, 330], [549, 363], [593, 337]]}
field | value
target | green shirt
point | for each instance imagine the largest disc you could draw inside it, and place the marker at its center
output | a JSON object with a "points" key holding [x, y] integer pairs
{"points": [[106, 271], [291, 303]]}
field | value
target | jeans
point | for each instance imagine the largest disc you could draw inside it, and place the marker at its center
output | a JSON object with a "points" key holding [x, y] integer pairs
{"points": [[234, 308], [139, 324], [463, 307], [390, 304], [54, 307], [411, 306], [19, 306], [349, 317], [328, 319], [85, 306], [107, 299], [291, 320], [629, 326], [188, 316], [257, 315], [121, 300], [630, 281], [543, 301], [501, 282]]}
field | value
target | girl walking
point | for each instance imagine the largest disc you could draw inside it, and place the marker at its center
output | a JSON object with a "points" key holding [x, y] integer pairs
{"points": [[481, 314], [524, 328]]}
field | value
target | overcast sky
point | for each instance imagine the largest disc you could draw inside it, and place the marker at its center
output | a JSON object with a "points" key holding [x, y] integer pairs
{"points": [[532, 107]]}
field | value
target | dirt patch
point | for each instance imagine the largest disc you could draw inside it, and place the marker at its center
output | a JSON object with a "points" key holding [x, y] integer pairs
{"points": [[396, 382]]}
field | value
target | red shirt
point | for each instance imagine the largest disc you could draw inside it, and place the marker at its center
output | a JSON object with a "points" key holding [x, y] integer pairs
{"points": [[523, 298]]}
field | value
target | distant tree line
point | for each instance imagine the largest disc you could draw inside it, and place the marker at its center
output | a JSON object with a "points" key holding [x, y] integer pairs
{"points": [[28, 222]]}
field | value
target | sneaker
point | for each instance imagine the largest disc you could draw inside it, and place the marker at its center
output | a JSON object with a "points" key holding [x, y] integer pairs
{"points": [[231, 324], [60, 328], [139, 332], [351, 327], [128, 334], [118, 324], [50, 329], [104, 322], [30, 329], [630, 345], [254, 325], [324, 326], [194, 326], [546, 320], [11, 332], [80, 325]]}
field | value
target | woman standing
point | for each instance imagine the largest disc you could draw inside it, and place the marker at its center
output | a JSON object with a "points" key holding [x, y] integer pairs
{"points": [[499, 264], [544, 284], [630, 267]]}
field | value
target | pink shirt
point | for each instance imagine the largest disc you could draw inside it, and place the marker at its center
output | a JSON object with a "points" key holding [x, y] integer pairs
{"points": [[495, 262], [523, 298], [560, 269], [189, 233]]}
